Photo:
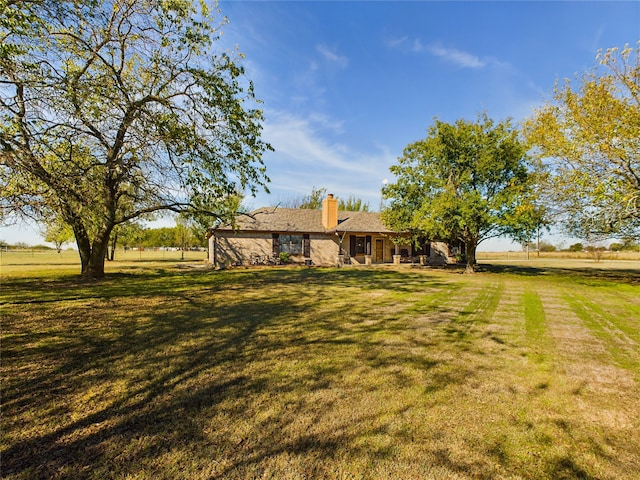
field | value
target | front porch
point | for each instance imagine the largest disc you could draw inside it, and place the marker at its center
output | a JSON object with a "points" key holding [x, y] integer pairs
{"points": [[363, 249]]}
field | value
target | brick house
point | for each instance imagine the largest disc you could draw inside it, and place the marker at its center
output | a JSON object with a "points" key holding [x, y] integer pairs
{"points": [[320, 237]]}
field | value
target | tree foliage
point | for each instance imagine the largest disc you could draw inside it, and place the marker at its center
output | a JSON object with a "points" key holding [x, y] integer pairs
{"points": [[112, 111], [353, 204], [590, 137], [179, 236], [313, 201], [58, 233], [465, 181], [626, 244], [576, 247], [531, 214]]}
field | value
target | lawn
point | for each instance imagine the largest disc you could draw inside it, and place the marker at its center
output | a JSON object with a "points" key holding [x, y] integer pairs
{"points": [[166, 370]]}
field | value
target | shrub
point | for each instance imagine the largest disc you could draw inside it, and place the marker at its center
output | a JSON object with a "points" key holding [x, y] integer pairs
{"points": [[576, 247], [284, 257], [41, 247], [597, 253], [626, 245], [547, 247]]}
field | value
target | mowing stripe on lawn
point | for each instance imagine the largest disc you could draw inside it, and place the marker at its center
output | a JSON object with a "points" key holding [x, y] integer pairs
{"points": [[433, 301], [604, 326], [620, 313], [452, 299], [536, 325], [483, 307], [535, 321]]}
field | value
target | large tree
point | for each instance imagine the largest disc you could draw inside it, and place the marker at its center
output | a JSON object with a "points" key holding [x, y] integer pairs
{"points": [[589, 134], [114, 110], [465, 181]]}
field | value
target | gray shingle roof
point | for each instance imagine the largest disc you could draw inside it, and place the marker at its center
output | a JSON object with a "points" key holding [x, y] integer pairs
{"points": [[270, 219], [362, 222]]}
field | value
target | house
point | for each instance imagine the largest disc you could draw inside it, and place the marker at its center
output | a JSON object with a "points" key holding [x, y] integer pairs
{"points": [[320, 237]]}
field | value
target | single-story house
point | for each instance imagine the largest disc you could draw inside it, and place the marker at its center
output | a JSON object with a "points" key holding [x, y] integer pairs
{"points": [[320, 237]]}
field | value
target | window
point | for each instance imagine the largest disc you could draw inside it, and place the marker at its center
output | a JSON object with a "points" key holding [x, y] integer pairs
{"points": [[292, 244], [360, 245]]}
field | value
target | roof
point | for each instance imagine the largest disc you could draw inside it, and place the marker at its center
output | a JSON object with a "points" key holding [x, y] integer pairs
{"points": [[369, 222], [300, 220]]}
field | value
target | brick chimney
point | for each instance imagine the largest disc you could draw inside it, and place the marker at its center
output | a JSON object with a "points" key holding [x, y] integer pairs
{"points": [[330, 212]]}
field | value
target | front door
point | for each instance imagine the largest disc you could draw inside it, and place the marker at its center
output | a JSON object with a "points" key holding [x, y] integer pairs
{"points": [[379, 250]]}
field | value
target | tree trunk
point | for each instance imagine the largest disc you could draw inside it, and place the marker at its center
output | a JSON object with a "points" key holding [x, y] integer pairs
{"points": [[92, 255], [470, 248], [84, 246], [114, 242], [95, 265]]}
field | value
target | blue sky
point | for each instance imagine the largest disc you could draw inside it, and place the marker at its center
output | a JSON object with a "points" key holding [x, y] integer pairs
{"points": [[347, 85]]}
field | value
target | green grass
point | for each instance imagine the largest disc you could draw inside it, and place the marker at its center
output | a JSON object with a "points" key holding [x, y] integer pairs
{"points": [[43, 263], [162, 371], [609, 325], [534, 316]]}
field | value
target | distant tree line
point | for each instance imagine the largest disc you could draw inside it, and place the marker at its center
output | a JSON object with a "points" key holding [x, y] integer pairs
{"points": [[161, 237], [625, 245], [186, 234]]}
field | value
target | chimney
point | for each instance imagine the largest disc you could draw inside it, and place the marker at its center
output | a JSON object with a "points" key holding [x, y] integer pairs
{"points": [[329, 212]]}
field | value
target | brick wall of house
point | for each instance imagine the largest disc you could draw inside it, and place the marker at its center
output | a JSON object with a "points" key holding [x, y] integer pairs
{"points": [[324, 249], [439, 254], [229, 248]]}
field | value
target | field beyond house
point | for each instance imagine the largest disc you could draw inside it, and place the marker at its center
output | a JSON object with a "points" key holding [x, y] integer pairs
{"points": [[606, 256], [166, 369]]}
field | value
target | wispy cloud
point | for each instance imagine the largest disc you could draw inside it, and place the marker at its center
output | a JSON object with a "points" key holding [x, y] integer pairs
{"points": [[417, 46], [327, 122], [304, 139], [308, 154], [457, 57], [451, 55], [332, 57], [394, 42]]}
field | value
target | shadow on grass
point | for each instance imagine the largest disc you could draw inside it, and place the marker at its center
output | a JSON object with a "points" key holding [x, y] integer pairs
{"points": [[165, 281], [177, 373], [155, 403], [627, 276], [109, 376]]}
